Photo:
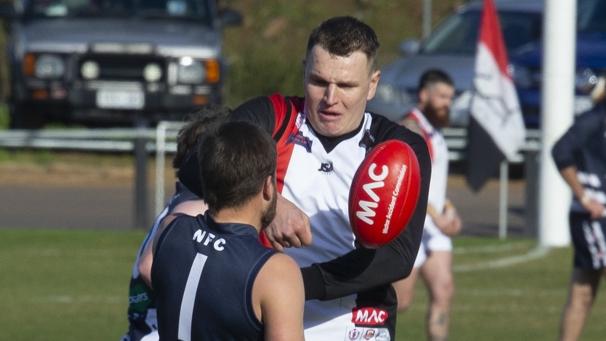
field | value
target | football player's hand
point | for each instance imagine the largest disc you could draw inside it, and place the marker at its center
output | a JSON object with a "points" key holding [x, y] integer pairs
{"points": [[449, 221], [595, 208], [290, 227]]}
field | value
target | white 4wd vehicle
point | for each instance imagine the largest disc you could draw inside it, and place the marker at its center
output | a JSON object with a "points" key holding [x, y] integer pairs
{"points": [[116, 60]]}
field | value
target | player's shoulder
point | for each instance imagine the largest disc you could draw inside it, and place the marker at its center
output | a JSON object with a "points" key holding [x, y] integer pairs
{"points": [[173, 222], [384, 129], [281, 262], [279, 265]]}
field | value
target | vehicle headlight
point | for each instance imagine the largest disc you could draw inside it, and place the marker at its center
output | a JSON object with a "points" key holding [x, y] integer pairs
{"points": [[152, 72], [585, 80], [190, 71], [89, 70], [49, 66]]}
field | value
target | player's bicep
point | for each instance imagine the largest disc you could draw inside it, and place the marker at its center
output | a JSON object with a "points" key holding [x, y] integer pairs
{"points": [[281, 298], [145, 264], [191, 207]]}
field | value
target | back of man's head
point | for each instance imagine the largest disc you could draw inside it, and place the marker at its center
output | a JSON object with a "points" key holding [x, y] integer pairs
{"points": [[434, 76], [197, 123], [235, 161], [341, 36]]}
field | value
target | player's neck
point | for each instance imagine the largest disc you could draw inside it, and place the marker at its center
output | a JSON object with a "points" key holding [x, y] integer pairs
{"points": [[246, 214]]}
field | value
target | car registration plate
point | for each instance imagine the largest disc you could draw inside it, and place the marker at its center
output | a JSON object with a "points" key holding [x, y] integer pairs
{"points": [[120, 99]]}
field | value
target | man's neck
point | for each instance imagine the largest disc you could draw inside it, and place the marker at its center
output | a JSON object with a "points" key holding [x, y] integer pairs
{"points": [[246, 214]]}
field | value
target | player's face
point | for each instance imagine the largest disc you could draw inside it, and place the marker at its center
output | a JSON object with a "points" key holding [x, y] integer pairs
{"points": [[337, 89], [438, 99]]}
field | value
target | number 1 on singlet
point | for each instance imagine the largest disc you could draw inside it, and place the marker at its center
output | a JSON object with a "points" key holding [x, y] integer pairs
{"points": [[189, 297]]}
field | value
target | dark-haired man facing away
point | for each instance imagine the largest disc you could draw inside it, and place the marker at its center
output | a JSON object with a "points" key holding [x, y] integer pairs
{"points": [[213, 279]]}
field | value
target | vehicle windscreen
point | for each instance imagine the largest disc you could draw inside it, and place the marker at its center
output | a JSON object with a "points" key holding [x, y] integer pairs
{"points": [[592, 16], [458, 34], [164, 9]]}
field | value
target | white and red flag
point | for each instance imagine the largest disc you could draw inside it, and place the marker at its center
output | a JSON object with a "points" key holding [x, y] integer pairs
{"points": [[496, 129]]}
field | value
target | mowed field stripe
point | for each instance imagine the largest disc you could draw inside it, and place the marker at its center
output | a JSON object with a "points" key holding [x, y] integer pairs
{"points": [[536, 253], [463, 250]]}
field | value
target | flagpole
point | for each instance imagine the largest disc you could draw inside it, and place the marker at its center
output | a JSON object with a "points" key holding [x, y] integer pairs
{"points": [[556, 116], [426, 18]]}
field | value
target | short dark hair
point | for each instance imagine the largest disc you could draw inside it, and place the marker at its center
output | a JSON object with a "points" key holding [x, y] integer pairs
{"points": [[197, 123], [341, 36], [434, 76], [235, 161]]}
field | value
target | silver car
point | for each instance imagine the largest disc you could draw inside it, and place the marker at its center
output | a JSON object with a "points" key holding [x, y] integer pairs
{"points": [[451, 47]]}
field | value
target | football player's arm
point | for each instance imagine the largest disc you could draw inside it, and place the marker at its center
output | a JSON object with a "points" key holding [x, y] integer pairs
{"points": [[563, 153], [363, 269], [190, 207], [278, 289], [290, 227]]}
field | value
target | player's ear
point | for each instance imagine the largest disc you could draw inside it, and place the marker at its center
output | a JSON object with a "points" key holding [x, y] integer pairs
{"points": [[268, 188], [375, 76]]}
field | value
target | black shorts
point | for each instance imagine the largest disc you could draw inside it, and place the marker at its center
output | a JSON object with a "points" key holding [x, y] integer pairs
{"points": [[588, 238]]}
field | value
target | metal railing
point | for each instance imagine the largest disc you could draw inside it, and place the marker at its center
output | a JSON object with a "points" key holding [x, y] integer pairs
{"points": [[161, 141]]}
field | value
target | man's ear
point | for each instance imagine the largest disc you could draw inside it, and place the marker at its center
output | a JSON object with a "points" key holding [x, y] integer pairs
{"points": [[268, 188], [423, 95], [374, 82]]}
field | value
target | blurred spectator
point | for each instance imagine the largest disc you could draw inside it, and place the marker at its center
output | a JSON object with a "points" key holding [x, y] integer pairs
{"points": [[580, 155], [434, 259]]}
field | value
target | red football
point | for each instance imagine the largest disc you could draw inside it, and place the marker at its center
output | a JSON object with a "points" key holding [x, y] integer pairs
{"points": [[384, 193]]}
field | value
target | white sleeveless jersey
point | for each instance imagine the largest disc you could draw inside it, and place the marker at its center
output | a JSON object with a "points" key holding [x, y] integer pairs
{"points": [[438, 151]]}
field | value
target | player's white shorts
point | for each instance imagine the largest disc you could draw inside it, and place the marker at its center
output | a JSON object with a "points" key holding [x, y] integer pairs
{"points": [[433, 240]]}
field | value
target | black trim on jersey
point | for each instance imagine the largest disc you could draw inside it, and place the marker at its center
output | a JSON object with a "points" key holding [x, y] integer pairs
{"points": [[259, 111], [285, 121], [362, 269], [330, 143]]}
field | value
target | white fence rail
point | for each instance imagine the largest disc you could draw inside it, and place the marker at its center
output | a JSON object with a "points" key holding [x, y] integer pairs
{"points": [[161, 141]]}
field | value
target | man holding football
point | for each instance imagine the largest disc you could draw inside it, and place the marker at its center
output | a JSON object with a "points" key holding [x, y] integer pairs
{"points": [[434, 260], [321, 139]]}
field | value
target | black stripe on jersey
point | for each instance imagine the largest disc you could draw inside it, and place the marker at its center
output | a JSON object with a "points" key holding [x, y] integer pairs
{"points": [[259, 111], [285, 121], [330, 143]]}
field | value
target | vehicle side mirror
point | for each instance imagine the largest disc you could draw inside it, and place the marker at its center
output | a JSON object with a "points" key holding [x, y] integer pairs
{"points": [[7, 10], [409, 47], [229, 17]]}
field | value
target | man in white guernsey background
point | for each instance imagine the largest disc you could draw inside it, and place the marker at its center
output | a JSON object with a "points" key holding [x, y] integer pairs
{"points": [[434, 260]]}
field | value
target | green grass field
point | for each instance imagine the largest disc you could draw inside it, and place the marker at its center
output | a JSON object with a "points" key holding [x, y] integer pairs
{"points": [[72, 285]]}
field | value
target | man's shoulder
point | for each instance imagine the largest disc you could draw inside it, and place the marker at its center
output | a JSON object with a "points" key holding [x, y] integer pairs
{"points": [[384, 129]]}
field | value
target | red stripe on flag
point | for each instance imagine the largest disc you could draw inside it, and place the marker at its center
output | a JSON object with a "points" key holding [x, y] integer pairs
{"points": [[492, 37]]}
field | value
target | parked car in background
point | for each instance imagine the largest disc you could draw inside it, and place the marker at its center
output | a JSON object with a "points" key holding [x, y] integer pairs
{"points": [[452, 46], [590, 62], [113, 60]]}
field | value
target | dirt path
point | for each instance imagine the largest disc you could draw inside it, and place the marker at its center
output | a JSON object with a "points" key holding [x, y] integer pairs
{"points": [[69, 194]]}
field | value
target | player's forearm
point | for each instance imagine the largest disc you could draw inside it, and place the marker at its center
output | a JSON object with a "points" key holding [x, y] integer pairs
{"points": [[363, 269], [569, 174]]}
